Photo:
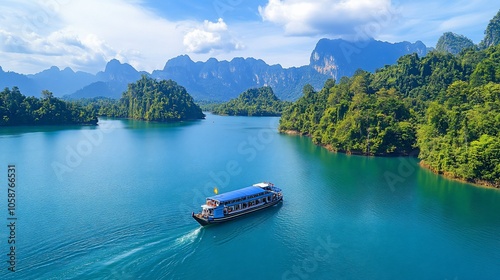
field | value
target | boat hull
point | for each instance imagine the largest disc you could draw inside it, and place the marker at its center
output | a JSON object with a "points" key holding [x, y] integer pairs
{"points": [[228, 217]]}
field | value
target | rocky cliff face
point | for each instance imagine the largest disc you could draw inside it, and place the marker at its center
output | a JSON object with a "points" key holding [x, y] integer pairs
{"points": [[453, 43], [492, 33], [224, 80], [338, 57], [111, 82]]}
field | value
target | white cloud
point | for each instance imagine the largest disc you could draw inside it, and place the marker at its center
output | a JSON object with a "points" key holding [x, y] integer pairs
{"points": [[336, 18], [84, 35], [210, 37], [428, 20]]}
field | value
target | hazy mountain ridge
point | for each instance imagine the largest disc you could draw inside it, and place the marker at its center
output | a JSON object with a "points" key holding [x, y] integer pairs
{"points": [[221, 80], [491, 33], [111, 82], [453, 43], [215, 80], [23, 82], [337, 58], [64, 81]]}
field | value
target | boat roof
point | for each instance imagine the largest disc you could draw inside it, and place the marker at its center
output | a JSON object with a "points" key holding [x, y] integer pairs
{"points": [[223, 197], [261, 185]]}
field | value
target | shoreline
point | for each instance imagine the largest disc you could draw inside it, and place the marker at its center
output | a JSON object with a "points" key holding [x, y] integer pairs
{"points": [[355, 153], [52, 124], [476, 183]]}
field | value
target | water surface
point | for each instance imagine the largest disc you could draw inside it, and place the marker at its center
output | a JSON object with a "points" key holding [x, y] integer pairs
{"points": [[114, 202]]}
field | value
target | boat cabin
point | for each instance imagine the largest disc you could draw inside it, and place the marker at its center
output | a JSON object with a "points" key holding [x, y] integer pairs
{"points": [[240, 200]]}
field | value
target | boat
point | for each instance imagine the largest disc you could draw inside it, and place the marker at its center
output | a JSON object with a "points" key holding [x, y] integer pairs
{"points": [[231, 205]]}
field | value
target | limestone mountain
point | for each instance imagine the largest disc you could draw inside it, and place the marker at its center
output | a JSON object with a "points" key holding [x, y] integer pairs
{"points": [[111, 82], [215, 80], [223, 80], [337, 58], [492, 33], [453, 43]]}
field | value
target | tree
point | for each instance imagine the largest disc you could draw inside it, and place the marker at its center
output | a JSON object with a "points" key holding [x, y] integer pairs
{"points": [[17, 109], [445, 106], [151, 100]]}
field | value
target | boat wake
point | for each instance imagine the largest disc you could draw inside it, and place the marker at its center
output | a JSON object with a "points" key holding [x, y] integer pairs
{"points": [[123, 256], [169, 251], [188, 237]]}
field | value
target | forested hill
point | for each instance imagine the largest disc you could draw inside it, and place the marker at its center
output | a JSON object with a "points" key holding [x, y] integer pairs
{"points": [[253, 102], [17, 109], [492, 33], [446, 107], [453, 43], [151, 100]]}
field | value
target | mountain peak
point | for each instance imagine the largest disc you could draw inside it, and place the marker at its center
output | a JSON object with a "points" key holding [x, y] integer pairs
{"points": [[114, 66], [339, 57], [453, 43], [492, 33], [179, 61], [68, 70], [212, 60]]}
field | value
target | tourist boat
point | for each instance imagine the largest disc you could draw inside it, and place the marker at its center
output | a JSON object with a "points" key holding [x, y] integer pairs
{"points": [[228, 206]]}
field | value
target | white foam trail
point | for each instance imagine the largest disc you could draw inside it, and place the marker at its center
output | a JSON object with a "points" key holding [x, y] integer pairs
{"points": [[185, 239], [132, 251], [124, 255], [189, 254], [188, 237]]}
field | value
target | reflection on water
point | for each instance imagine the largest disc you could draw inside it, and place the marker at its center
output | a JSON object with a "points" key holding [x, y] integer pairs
{"points": [[124, 212], [16, 131]]}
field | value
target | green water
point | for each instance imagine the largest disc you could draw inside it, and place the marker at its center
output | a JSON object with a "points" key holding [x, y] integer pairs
{"points": [[114, 202]]}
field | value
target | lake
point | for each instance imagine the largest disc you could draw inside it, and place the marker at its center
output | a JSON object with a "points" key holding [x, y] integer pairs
{"points": [[115, 202]]}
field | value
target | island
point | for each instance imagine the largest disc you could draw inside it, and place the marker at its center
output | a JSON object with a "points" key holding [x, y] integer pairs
{"points": [[444, 108], [17, 109], [253, 102], [150, 100]]}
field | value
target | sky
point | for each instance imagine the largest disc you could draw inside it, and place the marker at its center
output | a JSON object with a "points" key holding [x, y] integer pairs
{"points": [[85, 34]]}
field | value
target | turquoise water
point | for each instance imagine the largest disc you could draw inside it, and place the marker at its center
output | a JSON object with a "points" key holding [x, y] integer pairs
{"points": [[114, 202]]}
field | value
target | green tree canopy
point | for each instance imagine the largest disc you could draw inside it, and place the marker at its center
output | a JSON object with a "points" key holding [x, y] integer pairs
{"points": [[17, 109], [253, 102], [444, 106]]}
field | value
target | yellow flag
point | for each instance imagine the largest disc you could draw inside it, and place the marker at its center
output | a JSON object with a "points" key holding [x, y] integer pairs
{"points": [[216, 190]]}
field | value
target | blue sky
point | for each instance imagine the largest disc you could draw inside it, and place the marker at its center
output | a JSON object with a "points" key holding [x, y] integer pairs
{"points": [[85, 34]]}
